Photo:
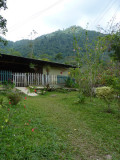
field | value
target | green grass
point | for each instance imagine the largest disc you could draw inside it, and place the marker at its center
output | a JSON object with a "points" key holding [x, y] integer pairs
{"points": [[62, 129]]}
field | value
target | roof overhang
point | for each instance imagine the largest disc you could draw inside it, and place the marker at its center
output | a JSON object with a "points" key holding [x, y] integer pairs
{"points": [[23, 60]]}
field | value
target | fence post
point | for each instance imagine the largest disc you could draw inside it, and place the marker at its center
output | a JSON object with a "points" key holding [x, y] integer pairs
{"points": [[42, 79], [55, 79], [46, 78], [38, 78], [27, 79], [15, 78], [3, 75]]}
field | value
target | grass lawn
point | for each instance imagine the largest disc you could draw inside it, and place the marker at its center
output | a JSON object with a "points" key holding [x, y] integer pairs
{"points": [[53, 127]]}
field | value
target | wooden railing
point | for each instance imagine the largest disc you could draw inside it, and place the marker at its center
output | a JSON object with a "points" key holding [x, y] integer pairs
{"points": [[27, 79]]}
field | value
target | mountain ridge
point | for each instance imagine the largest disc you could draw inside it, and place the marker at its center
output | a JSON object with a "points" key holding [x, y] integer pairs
{"points": [[49, 45]]}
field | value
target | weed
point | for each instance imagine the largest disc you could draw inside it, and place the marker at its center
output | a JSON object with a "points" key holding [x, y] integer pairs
{"points": [[14, 97]]}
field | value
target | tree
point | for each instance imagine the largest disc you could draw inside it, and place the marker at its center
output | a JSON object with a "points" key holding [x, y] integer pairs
{"points": [[88, 64], [92, 68], [3, 21], [115, 46], [31, 44], [45, 57], [112, 39], [58, 56], [14, 52]]}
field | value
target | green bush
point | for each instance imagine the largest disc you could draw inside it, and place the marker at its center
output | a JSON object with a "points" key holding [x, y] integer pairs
{"points": [[80, 99], [8, 84], [1, 101], [69, 82], [14, 97], [116, 85], [106, 93]]}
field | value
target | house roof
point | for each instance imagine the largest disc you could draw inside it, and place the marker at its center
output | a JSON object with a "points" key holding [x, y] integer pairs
{"points": [[19, 60]]}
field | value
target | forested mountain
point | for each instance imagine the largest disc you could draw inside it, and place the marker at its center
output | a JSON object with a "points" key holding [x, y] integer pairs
{"points": [[57, 46]]}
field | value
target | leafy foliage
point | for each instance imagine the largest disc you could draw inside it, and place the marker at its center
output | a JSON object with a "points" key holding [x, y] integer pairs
{"points": [[107, 94], [3, 21], [69, 82], [93, 69], [104, 92], [14, 97], [88, 60], [58, 57], [8, 85], [115, 46], [112, 40]]}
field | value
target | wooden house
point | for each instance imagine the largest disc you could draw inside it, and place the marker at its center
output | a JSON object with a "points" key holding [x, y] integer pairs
{"points": [[28, 71]]}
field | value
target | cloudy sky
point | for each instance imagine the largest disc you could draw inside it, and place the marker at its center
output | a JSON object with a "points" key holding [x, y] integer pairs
{"points": [[46, 16]]}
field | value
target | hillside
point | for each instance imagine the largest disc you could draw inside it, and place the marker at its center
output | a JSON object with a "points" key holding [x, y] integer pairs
{"points": [[48, 46]]}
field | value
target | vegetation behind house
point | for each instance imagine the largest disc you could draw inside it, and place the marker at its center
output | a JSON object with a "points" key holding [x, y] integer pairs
{"points": [[57, 46]]}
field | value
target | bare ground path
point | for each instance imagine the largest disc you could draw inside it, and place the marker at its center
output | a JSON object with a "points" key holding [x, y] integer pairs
{"points": [[26, 91]]}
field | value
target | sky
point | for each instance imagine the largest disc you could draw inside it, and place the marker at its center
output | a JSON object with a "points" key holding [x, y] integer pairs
{"points": [[46, 16]]}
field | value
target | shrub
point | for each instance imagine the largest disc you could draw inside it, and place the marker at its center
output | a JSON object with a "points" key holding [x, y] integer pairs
{"points": [[69, 82], [80, 99], [9, 84], [105, 93], [1, 101], [14, 97], [116, 85]]}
